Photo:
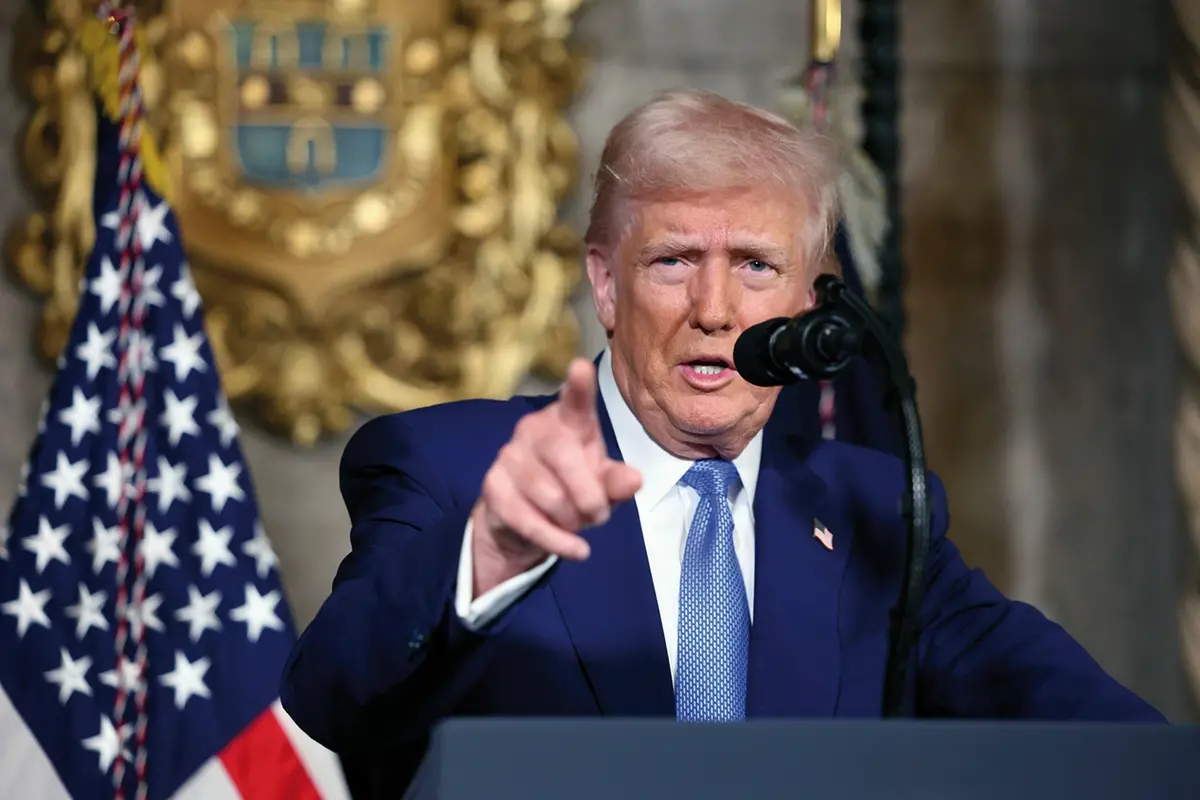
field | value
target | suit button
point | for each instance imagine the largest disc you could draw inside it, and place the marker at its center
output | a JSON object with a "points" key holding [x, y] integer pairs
{"points": [[416, 642]]}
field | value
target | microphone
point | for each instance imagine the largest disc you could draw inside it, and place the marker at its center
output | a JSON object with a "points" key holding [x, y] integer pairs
{"points": [[818, 344]]}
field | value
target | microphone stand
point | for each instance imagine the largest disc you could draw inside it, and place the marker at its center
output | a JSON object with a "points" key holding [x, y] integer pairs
{"points": [[902, 394]]}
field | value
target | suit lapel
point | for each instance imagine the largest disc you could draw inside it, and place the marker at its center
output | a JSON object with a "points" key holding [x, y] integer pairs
{"points": [[795, 653], [611, 613]]}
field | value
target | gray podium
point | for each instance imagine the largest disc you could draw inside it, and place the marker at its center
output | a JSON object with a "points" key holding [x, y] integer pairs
{"points": [[809, 760]]}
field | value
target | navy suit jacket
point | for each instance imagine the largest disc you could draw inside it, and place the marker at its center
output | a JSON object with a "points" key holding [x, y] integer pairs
{"points": [[386, 657]]}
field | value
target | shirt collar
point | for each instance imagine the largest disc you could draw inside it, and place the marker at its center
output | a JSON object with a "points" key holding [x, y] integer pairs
{"points": [[661, 470]]}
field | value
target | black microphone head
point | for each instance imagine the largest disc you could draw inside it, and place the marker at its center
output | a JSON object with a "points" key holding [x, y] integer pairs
{"points": [[752, 355]]}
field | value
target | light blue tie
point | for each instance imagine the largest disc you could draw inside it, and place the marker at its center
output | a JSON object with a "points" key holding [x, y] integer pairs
{"points": [[714, 617]]}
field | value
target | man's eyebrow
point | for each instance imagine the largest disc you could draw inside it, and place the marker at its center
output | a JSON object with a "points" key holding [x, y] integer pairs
{"points": [[670, 243], [763, 248]]}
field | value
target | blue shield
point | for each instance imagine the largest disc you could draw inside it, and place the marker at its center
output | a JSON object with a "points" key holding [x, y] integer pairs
{"points": [[282, 143]]}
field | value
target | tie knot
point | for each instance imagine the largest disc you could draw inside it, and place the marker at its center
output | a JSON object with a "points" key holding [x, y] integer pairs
{"points": [[711, 477]]}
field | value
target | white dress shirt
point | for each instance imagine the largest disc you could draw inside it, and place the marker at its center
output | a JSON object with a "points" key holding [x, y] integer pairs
{"points": [[665, 508]]}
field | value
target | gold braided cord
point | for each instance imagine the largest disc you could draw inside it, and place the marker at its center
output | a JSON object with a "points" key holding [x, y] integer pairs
{"points": [[99, 46], [1183, 144]]}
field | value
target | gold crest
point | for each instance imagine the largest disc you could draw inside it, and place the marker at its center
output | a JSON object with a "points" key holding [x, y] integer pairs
{"points": [[367, 191]]}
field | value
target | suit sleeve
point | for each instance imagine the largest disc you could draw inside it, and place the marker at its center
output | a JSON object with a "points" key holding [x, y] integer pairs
{"points": [[479, 612], [983, 655], [386, 655]]}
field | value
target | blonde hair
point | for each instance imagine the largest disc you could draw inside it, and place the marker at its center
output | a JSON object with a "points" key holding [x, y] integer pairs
{"points": [[686, 140]]}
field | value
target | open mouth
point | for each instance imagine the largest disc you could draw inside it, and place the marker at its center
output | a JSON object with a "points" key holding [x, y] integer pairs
{"points": [[709, 366]]}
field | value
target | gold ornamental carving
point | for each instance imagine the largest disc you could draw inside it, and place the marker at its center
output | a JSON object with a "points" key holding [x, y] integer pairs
{"points": [[367, 191]]}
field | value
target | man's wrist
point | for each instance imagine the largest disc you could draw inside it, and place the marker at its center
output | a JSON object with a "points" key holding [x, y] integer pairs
{"points": [[492, 566]]}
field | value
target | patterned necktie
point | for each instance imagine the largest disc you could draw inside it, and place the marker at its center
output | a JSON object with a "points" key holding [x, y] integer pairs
{"points": [[714, 617]]}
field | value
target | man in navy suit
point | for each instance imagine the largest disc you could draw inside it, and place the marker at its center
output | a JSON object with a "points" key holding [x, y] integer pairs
{"points": [[651, 542]]}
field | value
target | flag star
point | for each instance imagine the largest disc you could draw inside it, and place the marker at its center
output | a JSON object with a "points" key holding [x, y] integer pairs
{"points": [[258, 612], [83, 416], [155, 549], [127, 676], [145, 615], [47, 544], [221, 482], [108, 285], [170, 485], [184, 290], [88, 613], [222, 419], [184, 353], [179, 416], [212, 548], [71, 677], [114, 479], [200, 613], [150, 294], [97, 351], [29, 608], [259, 548], [5, 533], [108, 744], [187, 679], [67, 479], [105, 545], [151, 224]]}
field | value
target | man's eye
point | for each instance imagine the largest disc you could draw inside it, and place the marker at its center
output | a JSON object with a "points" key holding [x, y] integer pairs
{"points": [[758, 265], [667, 261]]}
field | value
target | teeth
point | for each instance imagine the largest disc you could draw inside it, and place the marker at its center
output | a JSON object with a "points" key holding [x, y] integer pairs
{"points": [[708, 369]]}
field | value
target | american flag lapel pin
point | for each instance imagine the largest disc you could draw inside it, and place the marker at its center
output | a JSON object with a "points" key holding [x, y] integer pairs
{"points": [[822, 534]]}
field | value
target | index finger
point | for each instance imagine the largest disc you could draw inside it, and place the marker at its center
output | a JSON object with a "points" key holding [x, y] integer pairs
{"points": [[577, 401]]}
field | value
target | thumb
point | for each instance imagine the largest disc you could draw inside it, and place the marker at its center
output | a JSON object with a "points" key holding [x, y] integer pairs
{"points": [[621, 481]]}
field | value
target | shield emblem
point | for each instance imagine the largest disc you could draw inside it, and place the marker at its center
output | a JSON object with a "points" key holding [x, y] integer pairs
{"points": [[303, 162], [367, 192], [310, 103]]}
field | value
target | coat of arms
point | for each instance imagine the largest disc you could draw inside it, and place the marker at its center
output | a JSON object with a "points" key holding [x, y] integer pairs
{"points": [[367, 191]]}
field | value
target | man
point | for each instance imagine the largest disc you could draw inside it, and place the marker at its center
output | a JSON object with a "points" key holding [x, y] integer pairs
{"points": [[649, 542]]}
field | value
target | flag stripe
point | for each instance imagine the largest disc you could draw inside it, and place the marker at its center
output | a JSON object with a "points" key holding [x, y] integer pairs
{"points": [[263, 765], [211, 782], [323, 766], [25, 771]]}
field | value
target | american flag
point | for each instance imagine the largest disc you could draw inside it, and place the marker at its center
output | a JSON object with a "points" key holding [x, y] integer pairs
{"points": [[143, 626], [823, 534]]}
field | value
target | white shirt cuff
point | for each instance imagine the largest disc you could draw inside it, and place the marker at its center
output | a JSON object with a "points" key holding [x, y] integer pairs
{"points": [[478, 612]]}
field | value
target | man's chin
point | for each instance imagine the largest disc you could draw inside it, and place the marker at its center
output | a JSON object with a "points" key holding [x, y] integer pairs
{"points": [[706, 417]]}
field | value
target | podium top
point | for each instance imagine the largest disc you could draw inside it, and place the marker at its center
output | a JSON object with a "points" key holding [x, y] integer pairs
{"points": [[843, 759]]}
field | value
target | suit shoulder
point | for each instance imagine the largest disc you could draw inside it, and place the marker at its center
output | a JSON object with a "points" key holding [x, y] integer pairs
{"points": [[847, 459], [445, 428], [443, 449], [869, 478]]}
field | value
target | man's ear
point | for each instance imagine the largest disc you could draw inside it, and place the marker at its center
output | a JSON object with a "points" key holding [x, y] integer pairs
{"points": [[601, 270]]}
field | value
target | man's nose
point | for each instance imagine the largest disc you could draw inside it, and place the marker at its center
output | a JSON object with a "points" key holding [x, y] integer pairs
{"points": [[714, 295]]}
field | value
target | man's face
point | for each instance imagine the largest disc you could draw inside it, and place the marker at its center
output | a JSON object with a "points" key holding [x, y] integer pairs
{"points": [[687, 278]]}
